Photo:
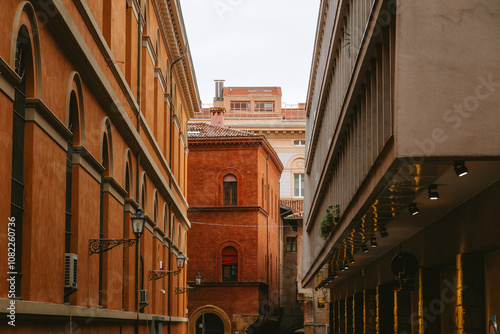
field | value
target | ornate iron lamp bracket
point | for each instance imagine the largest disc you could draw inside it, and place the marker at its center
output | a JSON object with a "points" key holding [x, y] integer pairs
{"points": [[157, 274], [99, 246], [181, 289]]}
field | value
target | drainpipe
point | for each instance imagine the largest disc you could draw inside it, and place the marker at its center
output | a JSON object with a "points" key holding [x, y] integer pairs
{"points": [[267, 227], [170, 180], [139, 45], [171, 114], [138, 98], [169, 264]]}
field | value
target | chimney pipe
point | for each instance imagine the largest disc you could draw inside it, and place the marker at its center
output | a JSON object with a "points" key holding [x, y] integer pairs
{"points": [[219, 87]]}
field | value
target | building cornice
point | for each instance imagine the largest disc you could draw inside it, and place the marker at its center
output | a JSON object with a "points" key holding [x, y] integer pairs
{"points": [[174, 35], [227, 209], [50, 310], [237, 143]]}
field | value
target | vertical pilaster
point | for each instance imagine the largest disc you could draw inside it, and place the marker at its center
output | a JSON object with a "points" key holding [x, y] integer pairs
{"points": [[349, 315], [370, 311], [470, 309]]}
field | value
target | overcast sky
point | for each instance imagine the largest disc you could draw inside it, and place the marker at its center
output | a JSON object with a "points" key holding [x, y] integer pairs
{"points": [[252, 43]]}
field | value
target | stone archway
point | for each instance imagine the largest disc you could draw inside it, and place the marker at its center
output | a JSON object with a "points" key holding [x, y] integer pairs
{"points": [[209, 309]]}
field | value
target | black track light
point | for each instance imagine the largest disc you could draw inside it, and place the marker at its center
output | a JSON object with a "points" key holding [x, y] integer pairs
{"points": [[373, 242], [383, 232], [413, 208], [460, 168], [433, 194], [335, 275], [351, 260], [364, 248], [346, 266]]}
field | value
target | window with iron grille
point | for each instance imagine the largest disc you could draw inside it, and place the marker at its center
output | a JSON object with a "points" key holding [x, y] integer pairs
{"points": [[264, 106], [240, 106], [230, 190]]}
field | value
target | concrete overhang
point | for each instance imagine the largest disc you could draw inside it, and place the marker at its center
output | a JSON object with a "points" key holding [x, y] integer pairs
{"points": [[388, 208]]}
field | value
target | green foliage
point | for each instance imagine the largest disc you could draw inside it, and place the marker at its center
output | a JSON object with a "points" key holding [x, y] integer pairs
{"points": [[329, 221]]}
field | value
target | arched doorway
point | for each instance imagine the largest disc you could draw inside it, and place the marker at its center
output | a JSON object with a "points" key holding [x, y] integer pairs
{"points": [[209, 323], [213, 320]]}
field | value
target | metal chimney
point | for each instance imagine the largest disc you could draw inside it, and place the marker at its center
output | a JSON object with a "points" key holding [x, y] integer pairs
{"points": [[219, 87]]}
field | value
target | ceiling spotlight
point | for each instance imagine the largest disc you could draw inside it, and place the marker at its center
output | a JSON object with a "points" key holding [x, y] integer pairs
{"points": [[433, 194], [460, 168], [342, 268], [346, 266], [351, 260], [373, 242], [335, 274], [413, 208], [364, 248], [383, 232]]}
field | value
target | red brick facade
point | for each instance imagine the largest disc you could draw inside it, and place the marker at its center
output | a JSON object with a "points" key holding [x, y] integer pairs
{"points": [[251, 226]]}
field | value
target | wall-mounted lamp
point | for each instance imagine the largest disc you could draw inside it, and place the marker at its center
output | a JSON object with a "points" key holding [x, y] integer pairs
{"points": [[99, 246], [181, 289], [364, 248], [351, 260], [383, 232], [373, 242], [433, 194], [413, 208], [460, 168], [157, 274]]}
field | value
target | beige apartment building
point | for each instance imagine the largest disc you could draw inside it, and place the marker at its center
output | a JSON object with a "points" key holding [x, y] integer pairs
{"points": [[403, 148], [259, 110]]}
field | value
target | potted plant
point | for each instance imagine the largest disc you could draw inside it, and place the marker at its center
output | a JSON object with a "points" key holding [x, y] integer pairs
{"points": [[329, 221]]}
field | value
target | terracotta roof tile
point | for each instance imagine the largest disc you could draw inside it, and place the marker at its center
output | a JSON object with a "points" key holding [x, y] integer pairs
{"points": [[203, 130], [297, 206]]}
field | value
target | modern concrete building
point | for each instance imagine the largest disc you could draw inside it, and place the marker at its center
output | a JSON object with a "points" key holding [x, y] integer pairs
{"points": [[233, 191], [94, 101], [403, 99]]}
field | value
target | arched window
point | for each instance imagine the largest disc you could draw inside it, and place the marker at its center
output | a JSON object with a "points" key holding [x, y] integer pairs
{"points": [[229, 264], [230, 190], [70, 222], [179, 236], [155, 207], [105, 161], [23, 65]]}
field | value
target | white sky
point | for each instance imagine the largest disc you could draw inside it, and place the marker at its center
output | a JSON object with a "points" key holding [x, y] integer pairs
{"points": [[252, 43]]}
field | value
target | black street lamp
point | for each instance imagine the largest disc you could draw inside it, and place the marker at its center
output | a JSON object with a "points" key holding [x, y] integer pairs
{"points": [[138, 222]]}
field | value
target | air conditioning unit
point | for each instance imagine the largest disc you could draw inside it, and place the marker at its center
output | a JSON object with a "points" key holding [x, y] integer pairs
{"points": [[143, 298], [70, 270]]}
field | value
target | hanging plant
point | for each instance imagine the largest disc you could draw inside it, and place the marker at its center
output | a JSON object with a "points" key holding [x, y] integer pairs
{"points": [[329, 221]]}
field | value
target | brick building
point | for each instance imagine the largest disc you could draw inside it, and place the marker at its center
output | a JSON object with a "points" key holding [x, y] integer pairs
{"points": [[93, 126], [233, 191]]}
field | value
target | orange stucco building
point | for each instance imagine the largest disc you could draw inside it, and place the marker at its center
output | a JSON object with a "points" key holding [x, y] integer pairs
{"points": [[233, 191], [94, 100]]}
